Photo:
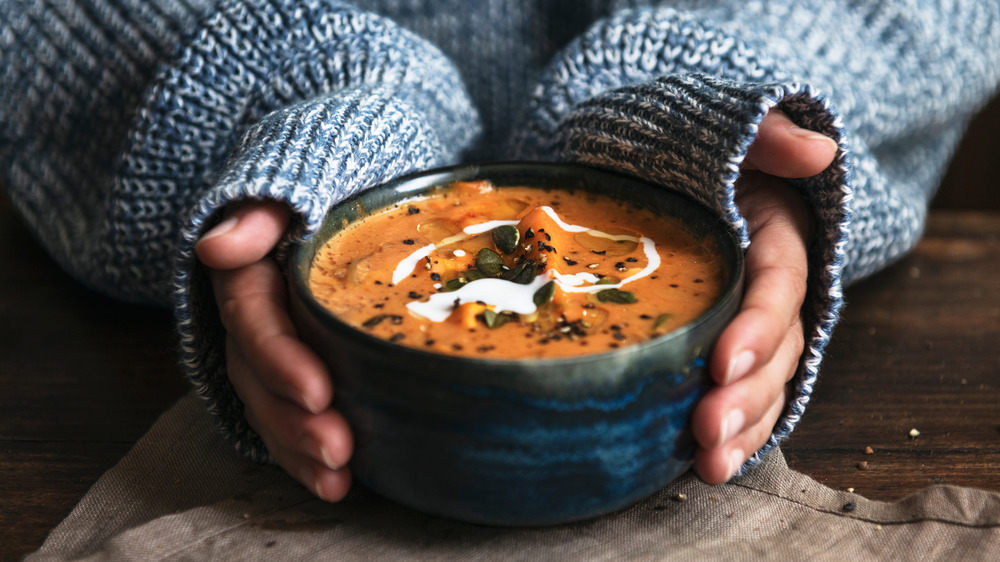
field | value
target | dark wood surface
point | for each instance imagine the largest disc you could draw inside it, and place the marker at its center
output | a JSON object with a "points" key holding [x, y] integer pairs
{"points": [[82, 377]]}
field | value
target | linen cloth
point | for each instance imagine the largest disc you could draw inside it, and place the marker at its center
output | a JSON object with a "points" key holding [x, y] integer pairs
{"points": [[180, 494]]}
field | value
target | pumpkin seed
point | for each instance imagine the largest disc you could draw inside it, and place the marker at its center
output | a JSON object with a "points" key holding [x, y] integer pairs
{"points": [[506, 238], [494, 320], [489, 262], [523, 274], [661, 320], [374, 320], [616, 296], [455, 284], [544, 293]]}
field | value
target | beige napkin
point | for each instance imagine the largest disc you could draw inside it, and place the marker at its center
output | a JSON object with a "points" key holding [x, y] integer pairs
{"points": [[181, 493]]}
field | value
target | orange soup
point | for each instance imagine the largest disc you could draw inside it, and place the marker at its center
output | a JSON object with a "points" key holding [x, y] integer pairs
{"points": [[515, 272]]}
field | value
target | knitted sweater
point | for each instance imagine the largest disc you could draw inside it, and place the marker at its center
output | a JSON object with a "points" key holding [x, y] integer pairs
{"points": [[126, 125]]}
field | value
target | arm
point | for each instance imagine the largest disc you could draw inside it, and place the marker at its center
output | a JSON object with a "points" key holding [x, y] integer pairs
{"points": [[682, 98], [298, 104]]}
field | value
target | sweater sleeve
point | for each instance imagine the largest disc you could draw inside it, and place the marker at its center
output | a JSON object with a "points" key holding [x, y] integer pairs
{"points": [[676, 96], [304, 102], [340, 100]]}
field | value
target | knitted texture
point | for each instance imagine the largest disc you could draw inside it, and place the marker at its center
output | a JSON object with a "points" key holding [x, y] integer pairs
{"points": [[126, 125]]}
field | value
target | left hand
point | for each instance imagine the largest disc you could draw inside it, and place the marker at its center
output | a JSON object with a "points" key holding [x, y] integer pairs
{"points": [[759, 352]]}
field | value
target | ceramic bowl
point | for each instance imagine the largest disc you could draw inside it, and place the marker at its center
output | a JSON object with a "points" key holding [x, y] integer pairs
{"points": [[519, 442]]}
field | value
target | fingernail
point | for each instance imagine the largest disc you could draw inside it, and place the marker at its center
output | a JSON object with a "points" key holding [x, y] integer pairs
{"points": [[316, 449], [309, 404], [223, 227], [736, 460], [807, 134], [739, 366], [731, 425]]}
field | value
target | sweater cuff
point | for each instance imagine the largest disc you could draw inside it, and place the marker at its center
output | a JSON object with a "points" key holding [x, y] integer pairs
{"points": [[690, 133], [310, 156]]}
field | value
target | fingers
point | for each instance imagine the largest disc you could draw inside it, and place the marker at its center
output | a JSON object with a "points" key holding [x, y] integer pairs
{"points": [[776, 273], [785, 150], [246, 234], [285, 388], [253, 308], [313, 448], [732, 422], [759, 351]]}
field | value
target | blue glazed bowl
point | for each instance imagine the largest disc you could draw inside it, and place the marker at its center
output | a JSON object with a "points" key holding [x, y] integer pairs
{"points": [[519, 442]]}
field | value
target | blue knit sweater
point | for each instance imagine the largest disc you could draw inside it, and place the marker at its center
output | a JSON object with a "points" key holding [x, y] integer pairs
{"points": [[126, 125]]}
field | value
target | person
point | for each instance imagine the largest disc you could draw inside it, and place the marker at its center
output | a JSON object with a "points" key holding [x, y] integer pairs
{"points": [[169, 153]]}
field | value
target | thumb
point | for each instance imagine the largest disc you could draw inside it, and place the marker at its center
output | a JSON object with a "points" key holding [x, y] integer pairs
{"points": [[247, 233], [786, 150]]}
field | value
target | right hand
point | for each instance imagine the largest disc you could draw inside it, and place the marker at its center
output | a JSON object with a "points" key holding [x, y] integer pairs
{"points": [[286, 389]]}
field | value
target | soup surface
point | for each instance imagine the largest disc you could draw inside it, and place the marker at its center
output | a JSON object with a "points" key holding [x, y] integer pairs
{"points": [[515, 272]]}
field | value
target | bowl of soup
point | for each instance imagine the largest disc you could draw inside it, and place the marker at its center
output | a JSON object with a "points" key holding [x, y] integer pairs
{"points": [[517, 343]]}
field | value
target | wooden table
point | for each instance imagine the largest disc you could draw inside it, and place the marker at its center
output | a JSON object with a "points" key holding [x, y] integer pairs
{"points": [[82, 377]]}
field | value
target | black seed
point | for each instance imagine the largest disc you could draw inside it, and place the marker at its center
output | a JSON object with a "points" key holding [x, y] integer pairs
{"points": [[569, 261], [409, 242], [633, 260], [412, 210], [435, 276], [414, 295], [529, 234], [849, 506]]}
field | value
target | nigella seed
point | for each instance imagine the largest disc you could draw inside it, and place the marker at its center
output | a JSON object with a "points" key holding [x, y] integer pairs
{"points": [[632, 260], [849, 506], [409, 242], [412, 210], [414, 295], [435, 276], [569, 261]]}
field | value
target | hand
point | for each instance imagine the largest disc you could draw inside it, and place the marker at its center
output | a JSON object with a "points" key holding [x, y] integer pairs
{"points": [[285, 387], [759, 351]]}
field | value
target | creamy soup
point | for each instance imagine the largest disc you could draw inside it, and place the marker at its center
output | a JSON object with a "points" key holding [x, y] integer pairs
{"points": [[515, 272]]}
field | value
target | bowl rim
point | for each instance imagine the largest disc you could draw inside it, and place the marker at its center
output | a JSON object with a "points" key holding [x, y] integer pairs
{"points": [[419, 182]]}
